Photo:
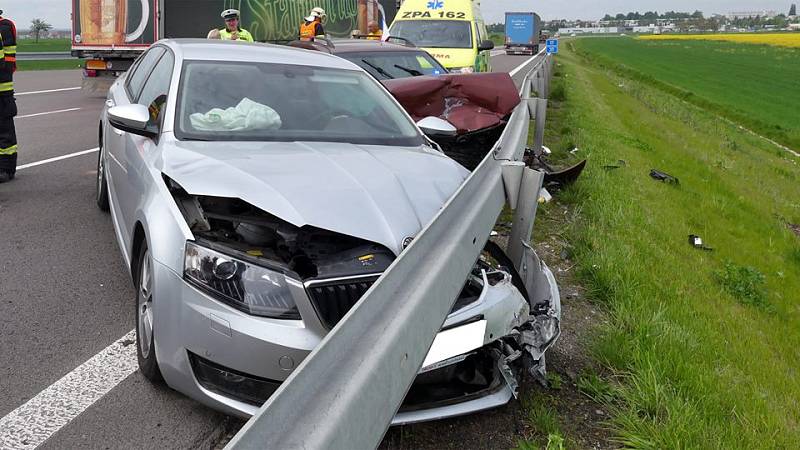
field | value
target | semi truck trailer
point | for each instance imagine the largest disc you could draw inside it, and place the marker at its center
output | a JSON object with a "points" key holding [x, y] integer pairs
{"points": [[523, 31], [110, 34]]}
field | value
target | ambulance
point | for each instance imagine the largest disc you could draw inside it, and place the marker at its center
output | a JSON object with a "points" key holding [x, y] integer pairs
{"points": [[452, 31]]}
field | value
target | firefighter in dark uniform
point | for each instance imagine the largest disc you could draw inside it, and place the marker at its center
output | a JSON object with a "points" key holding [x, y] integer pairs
{"points": [[8, 106]]}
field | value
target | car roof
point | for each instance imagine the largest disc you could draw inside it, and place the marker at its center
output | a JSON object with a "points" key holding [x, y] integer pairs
{"points": [[365, 45], [232, 51]]}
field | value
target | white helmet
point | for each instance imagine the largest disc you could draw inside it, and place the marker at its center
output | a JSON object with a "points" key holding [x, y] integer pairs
{"points": [[230, 14], [318, 12]]}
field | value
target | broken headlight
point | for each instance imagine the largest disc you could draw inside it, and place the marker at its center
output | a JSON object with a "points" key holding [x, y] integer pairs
{"points": [[250, 288]]}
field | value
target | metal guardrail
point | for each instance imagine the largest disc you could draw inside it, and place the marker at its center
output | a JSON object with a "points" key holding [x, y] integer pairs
{"points": [[39, 56], [346, 392]]}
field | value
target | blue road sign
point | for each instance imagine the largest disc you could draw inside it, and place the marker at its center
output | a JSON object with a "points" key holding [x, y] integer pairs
{"points": [[552, 46]]}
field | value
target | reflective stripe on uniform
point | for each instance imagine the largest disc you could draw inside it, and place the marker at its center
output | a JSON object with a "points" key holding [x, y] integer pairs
{"points": [[10, 49], [10, 58], [9, 150], [8, 86]]}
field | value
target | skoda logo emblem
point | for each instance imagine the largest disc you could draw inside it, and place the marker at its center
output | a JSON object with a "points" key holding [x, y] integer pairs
{"points": [[407, 241]]}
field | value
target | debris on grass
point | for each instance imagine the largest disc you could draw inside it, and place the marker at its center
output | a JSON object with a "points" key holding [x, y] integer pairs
{"points": [[744, 283], [795, 228], [620, 164], [544, 196], [697, 242], [553, 178], [663, 176]]}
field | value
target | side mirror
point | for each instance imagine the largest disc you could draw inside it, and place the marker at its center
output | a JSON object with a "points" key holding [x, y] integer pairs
{"points": [[133, 119], [485, 45], [434, 126]]}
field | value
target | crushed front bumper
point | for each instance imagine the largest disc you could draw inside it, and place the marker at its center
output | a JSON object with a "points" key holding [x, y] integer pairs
{"points": [[232, 361]]}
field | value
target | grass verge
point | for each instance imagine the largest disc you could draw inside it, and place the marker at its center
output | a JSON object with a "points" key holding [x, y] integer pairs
{"points": [[697, 362], [753, 85], [49, 64], [44, 45]]}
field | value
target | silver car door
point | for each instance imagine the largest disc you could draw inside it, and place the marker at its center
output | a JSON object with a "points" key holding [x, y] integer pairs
{"points": [[139, 148], [118, 170]]}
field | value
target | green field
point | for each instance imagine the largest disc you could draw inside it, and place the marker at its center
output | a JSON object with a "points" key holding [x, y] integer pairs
{"points": [[44, 45], [757, 86], [703, 346], [54, 64]]}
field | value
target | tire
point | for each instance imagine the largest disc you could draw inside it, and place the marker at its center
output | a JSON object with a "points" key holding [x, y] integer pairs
{"points": [[101, 185], [145, 341]]}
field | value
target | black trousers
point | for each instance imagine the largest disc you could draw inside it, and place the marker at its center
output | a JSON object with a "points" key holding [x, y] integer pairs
{"points": [[8, 134]]}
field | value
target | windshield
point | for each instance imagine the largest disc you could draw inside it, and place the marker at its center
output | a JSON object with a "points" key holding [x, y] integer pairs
{"points": [[233, 101], [389, 65], [435, 33]]}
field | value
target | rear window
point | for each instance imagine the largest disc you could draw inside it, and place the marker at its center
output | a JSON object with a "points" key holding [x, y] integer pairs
{"points": [[435, 33]]}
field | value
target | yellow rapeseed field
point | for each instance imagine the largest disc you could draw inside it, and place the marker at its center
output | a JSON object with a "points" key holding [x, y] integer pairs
{"points": [[777, 39]]}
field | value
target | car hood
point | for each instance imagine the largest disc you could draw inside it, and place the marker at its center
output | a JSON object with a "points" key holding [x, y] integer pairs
{"points": [[380, 194]]}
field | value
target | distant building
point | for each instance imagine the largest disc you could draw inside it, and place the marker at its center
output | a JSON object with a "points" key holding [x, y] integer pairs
{"points": [[589, 30], [751, 14]]}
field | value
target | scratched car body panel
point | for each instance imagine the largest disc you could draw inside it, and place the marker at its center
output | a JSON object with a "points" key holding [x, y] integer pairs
{"points": [[251, 227]]}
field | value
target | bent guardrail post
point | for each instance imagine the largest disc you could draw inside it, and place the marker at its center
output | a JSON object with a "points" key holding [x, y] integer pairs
{"points": [[346, 392], [524, 215]]}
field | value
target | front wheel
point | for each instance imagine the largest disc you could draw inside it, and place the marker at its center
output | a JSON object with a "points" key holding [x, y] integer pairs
{"points": [[145, 342], [101, 185]]}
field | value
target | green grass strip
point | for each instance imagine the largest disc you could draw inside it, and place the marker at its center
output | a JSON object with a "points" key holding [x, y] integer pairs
{"points": [[705, 345]]}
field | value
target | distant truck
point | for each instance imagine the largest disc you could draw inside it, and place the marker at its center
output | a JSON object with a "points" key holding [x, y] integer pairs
{"points": [[111, 34], [523, 31]]}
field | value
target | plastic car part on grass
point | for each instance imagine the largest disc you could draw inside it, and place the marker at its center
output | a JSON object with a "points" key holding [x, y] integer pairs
{"points": [[663, 176]]}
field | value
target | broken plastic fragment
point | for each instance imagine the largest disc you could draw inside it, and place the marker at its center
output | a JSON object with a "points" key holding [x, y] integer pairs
{"points": [[620, 163], [663, 176], [697, 242], [544, 196]]}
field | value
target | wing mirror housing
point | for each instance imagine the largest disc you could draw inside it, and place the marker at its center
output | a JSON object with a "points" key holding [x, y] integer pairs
{"points": [[133, 119], [485, 45], [434, 126]]}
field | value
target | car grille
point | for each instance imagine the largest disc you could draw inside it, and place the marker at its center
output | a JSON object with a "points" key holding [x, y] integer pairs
{"points": [[332, 299]]}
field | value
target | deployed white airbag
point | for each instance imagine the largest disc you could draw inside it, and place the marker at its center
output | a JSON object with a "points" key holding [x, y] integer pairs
{"points": [[247, 115]]}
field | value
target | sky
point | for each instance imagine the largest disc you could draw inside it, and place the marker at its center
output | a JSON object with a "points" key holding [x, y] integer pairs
{"points": [[56, 12]]}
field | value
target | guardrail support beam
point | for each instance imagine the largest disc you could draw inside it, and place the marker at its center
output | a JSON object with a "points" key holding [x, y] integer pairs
{"points": [[524, 215]]}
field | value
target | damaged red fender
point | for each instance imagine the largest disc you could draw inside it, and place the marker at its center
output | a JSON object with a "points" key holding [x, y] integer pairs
{"points": [[469, 102]]}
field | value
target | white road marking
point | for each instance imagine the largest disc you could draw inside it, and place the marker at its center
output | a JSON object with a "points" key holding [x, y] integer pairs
{"points": [[58, 158], [47, 91], [48, 112], [31, 424], [528, 61]]}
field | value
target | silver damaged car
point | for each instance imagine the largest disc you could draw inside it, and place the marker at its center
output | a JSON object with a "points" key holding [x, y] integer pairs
{"points": [[256, 193]]}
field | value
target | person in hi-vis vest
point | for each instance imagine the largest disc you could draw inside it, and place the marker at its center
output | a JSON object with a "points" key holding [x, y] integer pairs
{"points": [[8, 106], [232, 30], [312, 27]]}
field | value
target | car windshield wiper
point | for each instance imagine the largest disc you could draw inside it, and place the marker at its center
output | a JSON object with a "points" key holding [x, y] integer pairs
{"points": [[378, 69], [413, 72]]}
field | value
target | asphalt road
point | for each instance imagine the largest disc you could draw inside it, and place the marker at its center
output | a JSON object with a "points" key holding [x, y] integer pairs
{"points": [[64, 291]]}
